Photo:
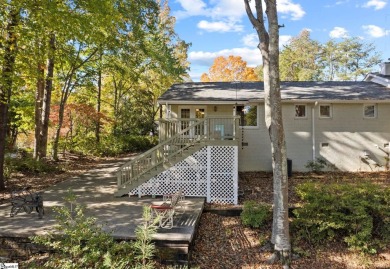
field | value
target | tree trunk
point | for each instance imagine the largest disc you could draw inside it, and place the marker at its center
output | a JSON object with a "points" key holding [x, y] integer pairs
{"points": [[66, 91], [98, 102], [10, 51], [58, 130], [269, 47], [42, 103], [38, 111], [47, 96]]}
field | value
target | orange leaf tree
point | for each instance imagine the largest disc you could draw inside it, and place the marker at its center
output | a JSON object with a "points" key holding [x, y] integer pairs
{"points": [[232, 68]]}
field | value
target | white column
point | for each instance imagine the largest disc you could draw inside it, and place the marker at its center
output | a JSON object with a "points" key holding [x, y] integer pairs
{"points": [[235, 175], [208, 176], [313, 131]]}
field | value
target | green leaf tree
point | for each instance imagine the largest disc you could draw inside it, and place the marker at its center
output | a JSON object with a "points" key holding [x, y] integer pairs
{"points": [[356, 58], [299, 59], [12, 15]]}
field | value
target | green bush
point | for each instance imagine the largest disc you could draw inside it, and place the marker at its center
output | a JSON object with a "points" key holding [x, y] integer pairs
{"points": [[110, 145], [27, 164], [316, 166], [255, 214], [359, 215]]}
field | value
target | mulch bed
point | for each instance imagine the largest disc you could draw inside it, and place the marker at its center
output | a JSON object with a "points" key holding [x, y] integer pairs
{"points": [[223, 242]]}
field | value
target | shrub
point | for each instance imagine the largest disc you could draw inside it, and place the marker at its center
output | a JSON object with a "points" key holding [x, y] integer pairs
{"points": [[255, 214], [359, 215], [316, 166], [79, 242], [112, 145], [26, 164]]}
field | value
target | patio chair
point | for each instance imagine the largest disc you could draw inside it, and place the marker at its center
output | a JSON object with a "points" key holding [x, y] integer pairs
{"points": [[166, 210]]}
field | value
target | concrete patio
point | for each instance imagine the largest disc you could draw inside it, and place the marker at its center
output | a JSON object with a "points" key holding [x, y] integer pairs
{"points": [[119, 216]]}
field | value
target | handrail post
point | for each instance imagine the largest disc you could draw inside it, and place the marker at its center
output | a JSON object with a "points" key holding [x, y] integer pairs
{"points": [[206, 129], [118, 178], [235, 127]]}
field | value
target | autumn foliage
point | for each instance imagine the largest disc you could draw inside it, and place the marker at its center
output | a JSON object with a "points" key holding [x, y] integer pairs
{"points": [[232, 68], [78, 117]]}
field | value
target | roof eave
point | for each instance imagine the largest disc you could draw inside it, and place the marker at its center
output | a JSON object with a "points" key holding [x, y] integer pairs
{"points": [[378, 80], [302, 101]]}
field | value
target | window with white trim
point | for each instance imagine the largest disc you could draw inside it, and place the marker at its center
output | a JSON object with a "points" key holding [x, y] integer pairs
{"points": [[248, 115], [300, 111], [325, 111], [369, 111]]}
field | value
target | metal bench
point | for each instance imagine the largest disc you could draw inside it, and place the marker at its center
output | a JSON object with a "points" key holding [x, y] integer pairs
{"points": [[165, 211], [26, 200]]}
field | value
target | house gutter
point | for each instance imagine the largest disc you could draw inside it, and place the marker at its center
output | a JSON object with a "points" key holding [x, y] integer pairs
{"points": [[313, 130]]}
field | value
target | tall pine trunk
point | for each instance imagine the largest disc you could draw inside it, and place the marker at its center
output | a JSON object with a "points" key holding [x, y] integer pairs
{"points": [[7, 73]]}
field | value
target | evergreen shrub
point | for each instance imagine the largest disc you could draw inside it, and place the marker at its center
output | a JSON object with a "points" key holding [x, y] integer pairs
{"points": [[358, 215], [255, 214]]}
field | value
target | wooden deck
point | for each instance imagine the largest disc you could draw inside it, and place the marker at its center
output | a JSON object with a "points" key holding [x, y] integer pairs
{"points": [[119, 216]]}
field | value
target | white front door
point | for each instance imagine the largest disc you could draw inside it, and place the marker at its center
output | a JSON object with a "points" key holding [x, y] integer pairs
{"points": [[189, 115]]}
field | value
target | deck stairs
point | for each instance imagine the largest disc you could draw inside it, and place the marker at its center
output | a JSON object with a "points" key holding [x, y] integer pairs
{"points": [[168, 153]]}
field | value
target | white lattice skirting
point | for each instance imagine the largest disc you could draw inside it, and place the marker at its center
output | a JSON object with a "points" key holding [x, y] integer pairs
{"points": [[211, 172]]}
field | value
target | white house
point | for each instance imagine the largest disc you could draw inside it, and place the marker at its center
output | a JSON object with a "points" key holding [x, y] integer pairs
{"points": [[346, 123]]}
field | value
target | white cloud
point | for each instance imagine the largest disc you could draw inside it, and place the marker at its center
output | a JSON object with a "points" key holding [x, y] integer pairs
{"points": [[290, 8], [375, 31], [190, 8], [204, 58], [376, 4], [222, 9], [338, 32], [230, 10], [251, 40], [220, 26], [284, 40]]}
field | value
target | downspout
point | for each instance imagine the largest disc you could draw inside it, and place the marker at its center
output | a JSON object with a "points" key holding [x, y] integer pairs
{"points": [[313, 130]]}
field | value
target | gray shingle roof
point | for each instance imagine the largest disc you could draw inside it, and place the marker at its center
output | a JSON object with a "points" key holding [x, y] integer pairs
{"points": [[246, 91]]}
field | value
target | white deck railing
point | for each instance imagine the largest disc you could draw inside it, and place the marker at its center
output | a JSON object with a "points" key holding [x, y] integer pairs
{"points": [[176, 136], [223, 128]]}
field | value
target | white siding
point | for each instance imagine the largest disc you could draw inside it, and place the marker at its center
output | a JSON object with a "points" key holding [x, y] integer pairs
{"points": [[347, 133]]}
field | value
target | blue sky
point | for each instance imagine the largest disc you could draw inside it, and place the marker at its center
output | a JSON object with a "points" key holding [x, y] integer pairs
{"points": [[221, 27]]}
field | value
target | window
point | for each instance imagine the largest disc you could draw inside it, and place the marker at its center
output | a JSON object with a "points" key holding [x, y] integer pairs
{"points": [[300, 111], [369, 111], [325, 111], [185, 115], [248, 115], [199, 114]]}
